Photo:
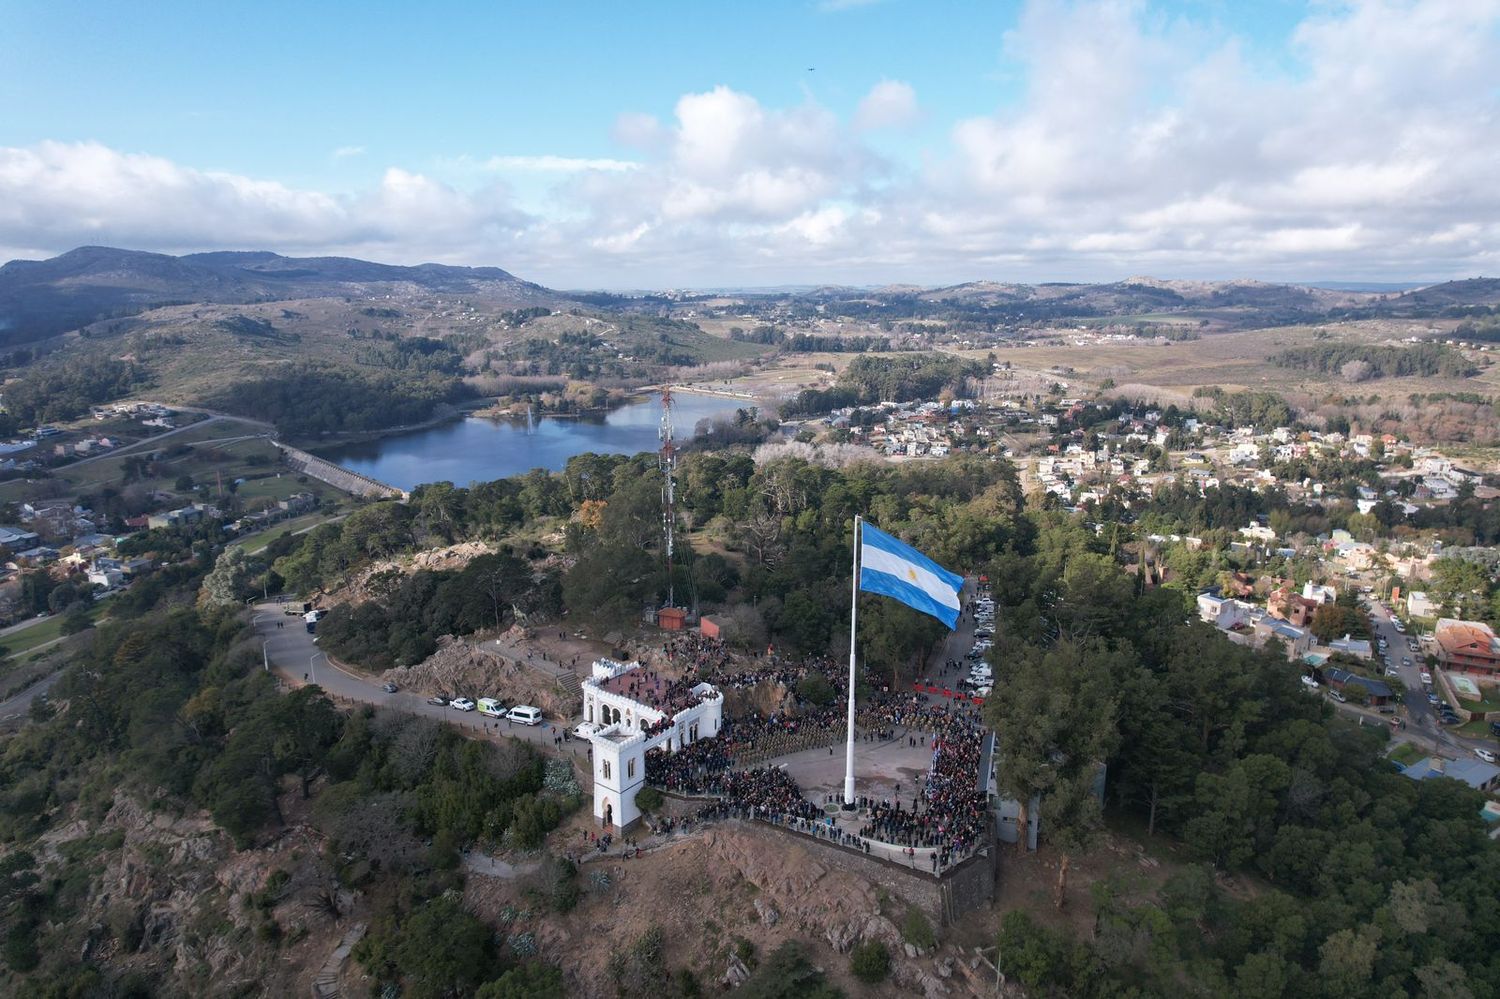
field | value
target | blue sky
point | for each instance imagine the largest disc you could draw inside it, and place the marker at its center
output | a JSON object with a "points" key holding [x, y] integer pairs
{"points": [[580, 144]]}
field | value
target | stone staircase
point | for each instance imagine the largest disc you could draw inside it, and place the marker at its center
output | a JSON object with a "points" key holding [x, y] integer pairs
{"points": [[568, 682], [326, 984]]}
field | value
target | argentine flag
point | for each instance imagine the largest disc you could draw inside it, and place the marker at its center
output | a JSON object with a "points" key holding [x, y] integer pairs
{"points": [[895, 569]]}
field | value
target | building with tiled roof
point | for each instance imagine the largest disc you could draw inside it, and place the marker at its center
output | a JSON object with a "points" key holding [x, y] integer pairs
{"points": [[1467, 647]]}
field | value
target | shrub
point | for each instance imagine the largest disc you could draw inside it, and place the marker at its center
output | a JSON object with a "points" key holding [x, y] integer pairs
{"points": [[870, 962], [648, 799], [745, 951], [815, 689], [917, 931], [564, 886]]}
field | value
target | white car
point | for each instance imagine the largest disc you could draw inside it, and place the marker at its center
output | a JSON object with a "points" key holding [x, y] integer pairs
{"points": [[1309, 682], [584, 730], [524, 714], [461, 704], [1485, 755]]}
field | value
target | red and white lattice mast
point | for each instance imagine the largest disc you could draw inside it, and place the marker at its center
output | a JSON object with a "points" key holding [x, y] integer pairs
{"points": [[667, 461]]}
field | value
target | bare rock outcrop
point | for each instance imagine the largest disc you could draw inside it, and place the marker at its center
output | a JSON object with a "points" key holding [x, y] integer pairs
{"points": [[462, 667]]}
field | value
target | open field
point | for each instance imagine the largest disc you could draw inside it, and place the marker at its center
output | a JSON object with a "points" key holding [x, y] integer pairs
{"points": [[217, 449], [261, 540], [1237, 360], [28, 640]]}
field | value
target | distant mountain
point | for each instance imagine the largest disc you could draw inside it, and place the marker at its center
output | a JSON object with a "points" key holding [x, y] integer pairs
{"points": [[1474, 291], [42, 298]]}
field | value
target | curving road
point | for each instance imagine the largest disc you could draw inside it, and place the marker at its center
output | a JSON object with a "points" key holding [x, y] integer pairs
{"points": [[293, 655]]}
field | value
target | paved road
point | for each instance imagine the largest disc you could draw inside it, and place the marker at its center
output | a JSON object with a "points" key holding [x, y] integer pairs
{"points": [[151, 441], [294, 654], [960, 640], [30, 622], [20, 705], [1420, 714]]}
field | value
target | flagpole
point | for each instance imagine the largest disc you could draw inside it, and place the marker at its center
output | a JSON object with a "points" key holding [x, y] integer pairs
{"points": [[853, 619]]}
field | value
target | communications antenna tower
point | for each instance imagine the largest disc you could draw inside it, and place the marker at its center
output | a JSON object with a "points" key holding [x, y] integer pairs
{"points": [[667, 461]]}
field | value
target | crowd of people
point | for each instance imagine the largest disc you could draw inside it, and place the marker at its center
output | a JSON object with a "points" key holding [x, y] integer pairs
{"points": [[766, 793], [649, 687], [696, 654], [945, 815], [948, 814]]}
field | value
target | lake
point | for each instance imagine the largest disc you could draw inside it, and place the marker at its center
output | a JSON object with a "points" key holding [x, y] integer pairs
{"points": [[477, 449]]}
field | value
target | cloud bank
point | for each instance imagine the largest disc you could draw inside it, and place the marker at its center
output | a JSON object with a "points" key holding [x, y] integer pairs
{"points": [[1139, 143]]}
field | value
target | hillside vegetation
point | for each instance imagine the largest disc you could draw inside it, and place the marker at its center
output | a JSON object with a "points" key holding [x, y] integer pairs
{"points": [[1359, 362]]}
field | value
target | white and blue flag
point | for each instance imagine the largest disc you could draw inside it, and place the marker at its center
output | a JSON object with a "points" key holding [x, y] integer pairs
{"points": [[895, 569]]}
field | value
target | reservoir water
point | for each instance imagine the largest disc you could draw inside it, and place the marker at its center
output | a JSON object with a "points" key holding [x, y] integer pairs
{"points": [[477, 449]]}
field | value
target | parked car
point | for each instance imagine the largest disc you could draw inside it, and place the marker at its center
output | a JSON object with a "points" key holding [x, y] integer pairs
{"points": [[461, 704], [584, 730], [1337, 695], [389, 687], [524, 714], [1484, 754], [438, 699], [1426, 678], [1309, 682]]}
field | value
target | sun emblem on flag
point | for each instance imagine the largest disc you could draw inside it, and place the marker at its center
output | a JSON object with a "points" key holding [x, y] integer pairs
{"points": [[912, 575]]}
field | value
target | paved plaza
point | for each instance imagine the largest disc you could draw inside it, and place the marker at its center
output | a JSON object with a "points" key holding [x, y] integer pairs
{"points": [[889, 770]]}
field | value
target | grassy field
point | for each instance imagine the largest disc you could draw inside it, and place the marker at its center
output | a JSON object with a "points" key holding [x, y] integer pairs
{"points": [[222, 449], [1406, 754], [29, 639], [259, 541], [1479, 729]]}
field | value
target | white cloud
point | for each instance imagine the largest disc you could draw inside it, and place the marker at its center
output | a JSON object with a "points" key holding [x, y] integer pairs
{"points": [[889, 104], [1139, 142], [55, 195], [555, 164], [345, 152]]}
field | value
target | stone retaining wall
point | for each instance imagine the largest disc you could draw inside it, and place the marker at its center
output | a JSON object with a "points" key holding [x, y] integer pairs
{"points": [[944, 898]]}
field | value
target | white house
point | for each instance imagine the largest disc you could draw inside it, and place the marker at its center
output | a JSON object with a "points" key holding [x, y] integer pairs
{"points": [[638, 711], [1223, 613], [1419, 604], [107, 578], [1322, 594]]}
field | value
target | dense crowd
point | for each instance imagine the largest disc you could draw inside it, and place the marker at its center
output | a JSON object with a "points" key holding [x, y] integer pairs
{"points": [[949, 813], [759, 793], [696, 653], [649, 687], [945, 815]]}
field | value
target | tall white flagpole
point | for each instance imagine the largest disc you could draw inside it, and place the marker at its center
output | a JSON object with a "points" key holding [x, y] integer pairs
{"points": [[853, 619]]}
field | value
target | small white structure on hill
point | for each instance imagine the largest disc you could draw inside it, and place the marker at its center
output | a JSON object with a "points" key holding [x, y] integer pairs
{"points": [[637, 711]]}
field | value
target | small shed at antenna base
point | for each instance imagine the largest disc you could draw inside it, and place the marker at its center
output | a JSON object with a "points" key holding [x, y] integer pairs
{"points": [[708, 626], [671, 618]]}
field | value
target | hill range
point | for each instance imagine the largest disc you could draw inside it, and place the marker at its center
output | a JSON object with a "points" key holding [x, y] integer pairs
{"points": [[40, 299]]}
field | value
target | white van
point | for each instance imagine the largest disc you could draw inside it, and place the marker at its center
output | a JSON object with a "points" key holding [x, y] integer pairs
{"points": [[524, 714], [490, 706]]}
